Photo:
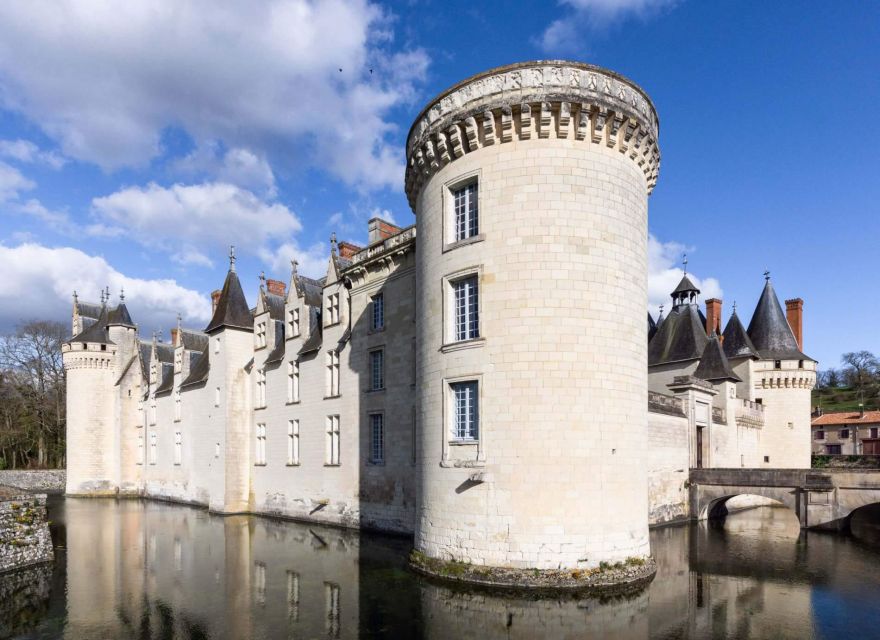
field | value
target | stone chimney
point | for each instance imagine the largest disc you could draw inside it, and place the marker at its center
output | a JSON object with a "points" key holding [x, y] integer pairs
{"points": [[215, 298], [347, 250], [380, 230], [713, 316], [794, 313], [276, 286]]}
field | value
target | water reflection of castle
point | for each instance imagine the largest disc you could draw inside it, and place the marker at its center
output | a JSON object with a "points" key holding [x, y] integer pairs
{"points": [[138, 569]]}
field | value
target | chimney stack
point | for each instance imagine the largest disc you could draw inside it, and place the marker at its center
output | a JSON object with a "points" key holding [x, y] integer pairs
{"points": [[276, 286], [215, 298], [713, 316], [794, 313], [378, 230], [347, 250], [174, 336]]}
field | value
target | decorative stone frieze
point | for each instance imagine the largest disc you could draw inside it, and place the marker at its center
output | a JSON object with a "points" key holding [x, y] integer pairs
{"points": [[534, 94]]}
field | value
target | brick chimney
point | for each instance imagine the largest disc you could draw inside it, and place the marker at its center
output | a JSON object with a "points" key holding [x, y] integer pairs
{"points": [[174, 336], [347, 250], [794, 313], [276, 286], [380, 230], [713, 316], [215, 298]]}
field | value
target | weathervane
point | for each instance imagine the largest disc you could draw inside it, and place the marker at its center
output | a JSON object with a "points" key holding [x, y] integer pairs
{"points": [[684, 261], [767, 275], [333, 242], [121, 295]]}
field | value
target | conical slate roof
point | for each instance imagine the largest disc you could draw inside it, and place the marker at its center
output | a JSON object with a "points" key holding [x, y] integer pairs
{"points": [[652, 327], [737, 343], [685, 286], [120, 316], [96, 332], [681, 337], [769, 330], [232, 307], [714, 366]]}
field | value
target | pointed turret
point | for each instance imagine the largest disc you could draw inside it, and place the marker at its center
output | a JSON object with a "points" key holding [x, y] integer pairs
{"points": [[769, 330], [96, 332], [714, 366], [736, 341], [232, 308], [680, 336]]}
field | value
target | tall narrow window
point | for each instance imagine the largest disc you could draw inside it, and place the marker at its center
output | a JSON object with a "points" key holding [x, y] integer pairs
{"points": [[293, 596], [261, 389], [466, 214], [178, 448], [177, 406], [293, 322], [260, 335], [260, 454], [377, 438], [293, 442], [465, 411], [467, 314], [332, 374], [377, 370], [332, 440], [293, 381], [378, 319], [153, 453], [332, 308]]}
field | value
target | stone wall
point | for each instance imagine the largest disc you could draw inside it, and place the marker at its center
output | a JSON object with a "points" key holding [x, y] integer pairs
{"points": [[24, 531], [41, 481]]}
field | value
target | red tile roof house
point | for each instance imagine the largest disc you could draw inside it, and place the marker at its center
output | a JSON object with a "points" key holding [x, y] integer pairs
{"points": [[847, 432]]}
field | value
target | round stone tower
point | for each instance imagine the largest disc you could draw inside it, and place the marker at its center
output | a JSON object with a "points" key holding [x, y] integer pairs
{"points": [[530, 184]]}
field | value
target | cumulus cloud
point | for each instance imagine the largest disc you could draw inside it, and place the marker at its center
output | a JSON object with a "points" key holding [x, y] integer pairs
{"points": [[189, 220], [105, 80], [237, 166], [311, 261], [41, 280], [587, 17], [27, 151], [12, 182], [665, 272]]}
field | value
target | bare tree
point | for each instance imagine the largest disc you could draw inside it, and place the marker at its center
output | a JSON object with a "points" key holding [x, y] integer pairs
{"points": [[32, 395], [861, 370]]}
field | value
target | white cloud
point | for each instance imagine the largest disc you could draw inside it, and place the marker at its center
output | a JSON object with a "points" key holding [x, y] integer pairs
{"points": [[41, 280], [12, 182], [665, 272], [189, 220], [238, 166], [590, 16], [27, 151], [311, 261], [105, 79]]}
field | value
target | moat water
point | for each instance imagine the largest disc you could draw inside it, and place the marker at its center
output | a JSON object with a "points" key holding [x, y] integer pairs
{"points": [[148, 570]]}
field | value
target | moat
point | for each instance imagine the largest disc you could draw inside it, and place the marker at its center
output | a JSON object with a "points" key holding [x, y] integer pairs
{"points": [[133, 569]]}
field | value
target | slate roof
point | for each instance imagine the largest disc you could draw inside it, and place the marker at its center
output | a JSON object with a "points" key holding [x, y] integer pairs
{"points": [[313, 342], [681, 337], [167, 384], [193, 340], [146, 349], [165, 352], [88, 310], [714, 366], [275, 304], [310, 290], [95, 332], [652, 327], [769, 330], [277, 353], [232, 308], [737, 343], [198, 372], [685, 286], [120, 316]]}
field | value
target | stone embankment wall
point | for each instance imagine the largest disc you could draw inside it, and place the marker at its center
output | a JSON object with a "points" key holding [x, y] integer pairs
{"points": [[38, 481], [24, 530]]}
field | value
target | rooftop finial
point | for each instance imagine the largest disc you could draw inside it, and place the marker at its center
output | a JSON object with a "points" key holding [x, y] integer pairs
{"points": [[684, 261], [262, 279], [121, 295], [293, 265], [333, 242], [75, 297], [734, 306], [179, 322], [767, 275], [232, 258], [102, 297], [661, 309]]}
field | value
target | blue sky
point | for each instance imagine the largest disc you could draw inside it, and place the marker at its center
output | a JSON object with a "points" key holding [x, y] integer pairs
{"points": [[138, 140]]}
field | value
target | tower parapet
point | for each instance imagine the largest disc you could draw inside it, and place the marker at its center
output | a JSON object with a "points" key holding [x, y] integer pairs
{"points": [[530, 184], [534, 100]]}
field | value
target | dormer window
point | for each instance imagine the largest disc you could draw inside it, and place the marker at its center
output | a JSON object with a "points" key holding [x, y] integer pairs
{"points": [[260, 335], [332, 309], [777, 364], [293, 322]]}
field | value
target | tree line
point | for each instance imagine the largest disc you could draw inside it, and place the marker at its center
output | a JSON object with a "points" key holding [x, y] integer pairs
{"points": [[859, 370], [32, 396]]}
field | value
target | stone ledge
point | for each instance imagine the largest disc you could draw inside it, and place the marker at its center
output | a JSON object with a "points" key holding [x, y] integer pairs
{"points": [[618, 579]]}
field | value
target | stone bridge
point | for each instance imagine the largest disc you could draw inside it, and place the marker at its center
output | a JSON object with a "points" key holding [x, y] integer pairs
{"points": [[821, 498]]}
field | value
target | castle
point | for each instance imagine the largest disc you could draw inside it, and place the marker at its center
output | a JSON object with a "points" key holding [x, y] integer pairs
{"points": [[484, 381]]}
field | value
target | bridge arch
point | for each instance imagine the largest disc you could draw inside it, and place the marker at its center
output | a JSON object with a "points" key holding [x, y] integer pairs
{"points": [[718, 508]]}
